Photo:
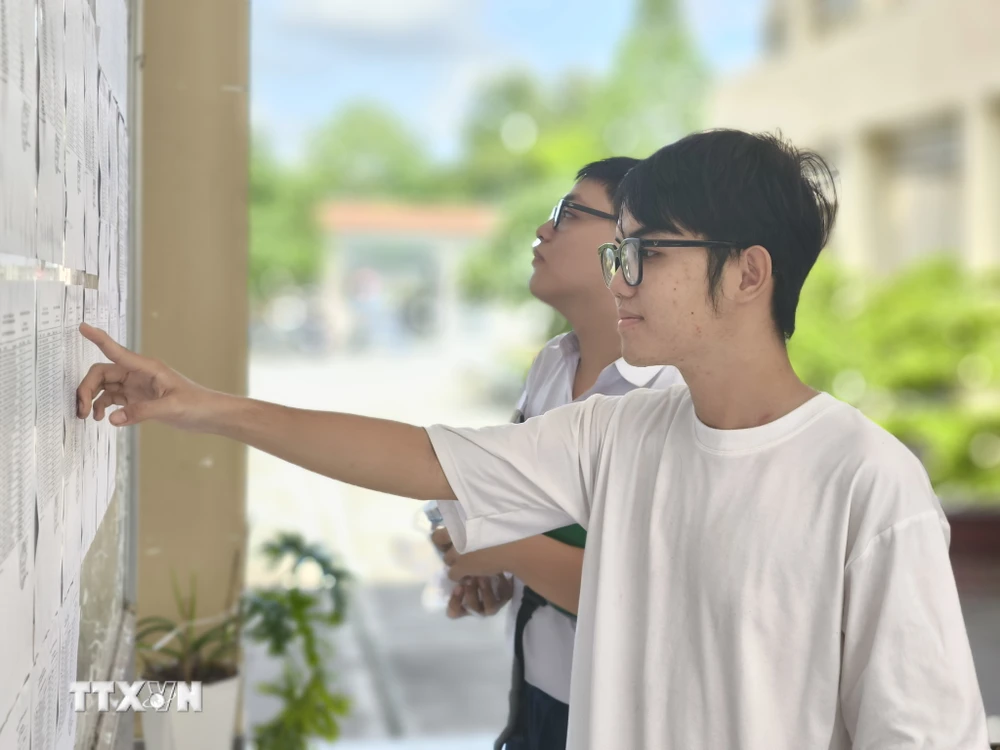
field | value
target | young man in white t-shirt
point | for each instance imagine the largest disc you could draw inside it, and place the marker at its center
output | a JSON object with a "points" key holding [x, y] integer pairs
{"points": [[571, 367], [765, 567]]}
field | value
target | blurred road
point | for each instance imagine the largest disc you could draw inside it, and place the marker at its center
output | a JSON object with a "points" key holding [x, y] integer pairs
{"points": [[411, 673]]}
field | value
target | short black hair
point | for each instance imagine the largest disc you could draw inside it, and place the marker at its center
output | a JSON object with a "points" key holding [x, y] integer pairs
{"points": [[749, 189], [609, 172]]}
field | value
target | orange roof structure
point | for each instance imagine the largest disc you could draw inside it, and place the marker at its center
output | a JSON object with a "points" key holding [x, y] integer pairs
{"points": [[366, 217]]}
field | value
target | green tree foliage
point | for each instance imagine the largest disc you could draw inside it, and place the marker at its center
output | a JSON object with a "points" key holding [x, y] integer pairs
{"points": [[657, 84], [291, 622], [285, 244], [918, 352], [366, 151]]}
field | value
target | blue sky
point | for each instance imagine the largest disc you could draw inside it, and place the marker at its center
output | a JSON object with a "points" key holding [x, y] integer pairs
{"points": [[423, 58]]}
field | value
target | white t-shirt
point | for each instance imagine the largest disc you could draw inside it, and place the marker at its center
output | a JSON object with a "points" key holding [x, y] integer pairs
{"points": [[784, 587], [549, 634]]}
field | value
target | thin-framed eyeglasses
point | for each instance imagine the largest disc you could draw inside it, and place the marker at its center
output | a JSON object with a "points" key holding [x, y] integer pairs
{"points": [[630, 252], [560, 208]]}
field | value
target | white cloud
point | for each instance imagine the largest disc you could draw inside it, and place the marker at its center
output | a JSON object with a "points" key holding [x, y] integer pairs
{"points": [[390, 27], [389, 17]]}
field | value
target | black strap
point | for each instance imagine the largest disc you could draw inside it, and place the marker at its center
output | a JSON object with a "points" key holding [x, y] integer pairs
{"points": [[530, 602]]}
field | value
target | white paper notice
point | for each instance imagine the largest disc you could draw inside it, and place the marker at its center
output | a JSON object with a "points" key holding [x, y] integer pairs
{"points": [[108, 202], [112, 19], [75, 135], [48, 585], [89, 447], [75, 72], [51, 130], [74, 434], [103, 254], [72, 353], [90, 160], [17, 518], [50, 404], [104, 428], [103, 144], [49, 396], [69, 640], [123, 204], [114, 210], [18, 98], [72, 530], [45, 692], [16, 732]]}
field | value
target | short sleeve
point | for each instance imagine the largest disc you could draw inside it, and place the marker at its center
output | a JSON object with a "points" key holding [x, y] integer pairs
{"points": [[518, 480], [907, 676]]}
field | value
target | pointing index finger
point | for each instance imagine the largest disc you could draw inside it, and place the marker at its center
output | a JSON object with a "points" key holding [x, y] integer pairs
{"points": [[113, 350]]}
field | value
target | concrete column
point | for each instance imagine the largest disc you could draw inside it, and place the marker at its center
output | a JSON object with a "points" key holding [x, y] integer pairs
{"points": [[449, 260], [801, 21], [860, 232], [193, 308], [335, 309], [981, 184]]}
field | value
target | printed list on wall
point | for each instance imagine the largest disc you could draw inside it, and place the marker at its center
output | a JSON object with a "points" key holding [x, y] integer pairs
{"points": [[64, 233]]}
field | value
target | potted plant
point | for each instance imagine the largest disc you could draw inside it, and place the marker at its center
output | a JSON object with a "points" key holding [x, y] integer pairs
{"points": [[189, 650], [289, 620]]}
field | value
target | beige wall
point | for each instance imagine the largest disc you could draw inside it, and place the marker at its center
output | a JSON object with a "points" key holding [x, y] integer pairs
{"points": [[852, 90], [193, 193], [909, 61]]}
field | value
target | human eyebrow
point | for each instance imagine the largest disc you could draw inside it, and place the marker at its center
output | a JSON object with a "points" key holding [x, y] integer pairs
{"points": [[637, 233], [571, 197]]}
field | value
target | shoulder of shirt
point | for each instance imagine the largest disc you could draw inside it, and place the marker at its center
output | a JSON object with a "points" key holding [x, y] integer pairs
{"points": [[551, 352], [888, 486], [868, 445], [641, 404]]}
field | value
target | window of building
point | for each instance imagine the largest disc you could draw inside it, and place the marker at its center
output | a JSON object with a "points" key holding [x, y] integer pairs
{"points": [[835, 12], [923, 197]]}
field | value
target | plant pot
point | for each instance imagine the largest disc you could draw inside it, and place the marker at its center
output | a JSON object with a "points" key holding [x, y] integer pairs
{"points": [[213, 728]]}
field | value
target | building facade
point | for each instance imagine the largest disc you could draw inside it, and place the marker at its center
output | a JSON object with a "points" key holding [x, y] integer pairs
{"points": [[903, 99], [391, 272]]}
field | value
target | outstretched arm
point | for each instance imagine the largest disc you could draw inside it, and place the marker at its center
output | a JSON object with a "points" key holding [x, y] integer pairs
{"points": [[377, 454]]}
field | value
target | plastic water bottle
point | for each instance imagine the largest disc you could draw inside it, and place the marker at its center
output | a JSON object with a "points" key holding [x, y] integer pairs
{"points": [[437, 592]]}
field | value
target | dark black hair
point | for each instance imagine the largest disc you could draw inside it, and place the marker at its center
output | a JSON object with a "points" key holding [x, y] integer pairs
{"points": [[749, 189], [609, 172]]}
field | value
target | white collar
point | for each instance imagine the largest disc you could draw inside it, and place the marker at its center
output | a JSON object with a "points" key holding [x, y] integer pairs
{"points": [[640, 377]]}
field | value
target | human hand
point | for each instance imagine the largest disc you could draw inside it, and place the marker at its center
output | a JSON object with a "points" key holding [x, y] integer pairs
{"points": [[480, 595], [146, 389], [483, 595]]}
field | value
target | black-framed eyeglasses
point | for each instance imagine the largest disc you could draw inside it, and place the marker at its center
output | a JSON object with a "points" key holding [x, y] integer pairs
{"points": [[628, 255], [557, 213]]}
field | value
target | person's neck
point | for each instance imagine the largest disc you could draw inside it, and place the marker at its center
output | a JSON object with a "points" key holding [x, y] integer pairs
{"points": [[745, 386], [596, 331]]}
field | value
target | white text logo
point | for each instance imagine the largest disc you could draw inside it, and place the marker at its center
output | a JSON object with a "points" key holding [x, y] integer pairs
{"points": [[137, 696]]}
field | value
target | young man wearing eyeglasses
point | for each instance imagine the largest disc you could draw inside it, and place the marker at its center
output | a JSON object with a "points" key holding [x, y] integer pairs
{"points": [[571, 367], [765, 567]]}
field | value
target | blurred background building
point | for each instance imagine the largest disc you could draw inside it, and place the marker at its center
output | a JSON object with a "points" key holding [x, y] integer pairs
{"points": [[391, 273], [903, 97]]}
